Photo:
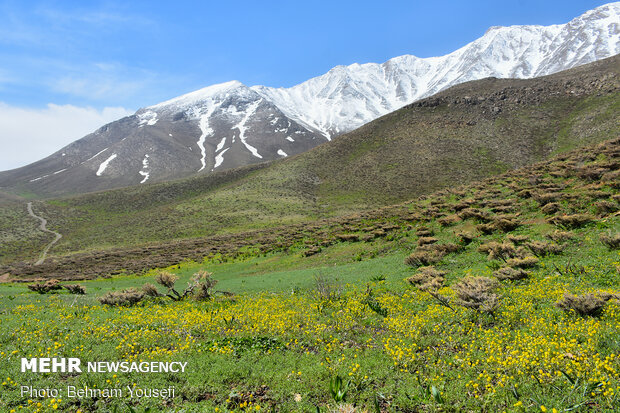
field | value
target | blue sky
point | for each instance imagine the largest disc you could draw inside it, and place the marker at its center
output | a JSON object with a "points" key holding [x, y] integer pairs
{"points": [[68, 67]]}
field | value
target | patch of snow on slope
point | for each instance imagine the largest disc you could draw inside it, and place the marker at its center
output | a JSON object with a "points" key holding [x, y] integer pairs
{"points": [[242, 128], [203, 123], [281, 152], [105, 164], [147, 118], [143, 172], [95, 155], [219, 158], [41, 177], [220, 145]]}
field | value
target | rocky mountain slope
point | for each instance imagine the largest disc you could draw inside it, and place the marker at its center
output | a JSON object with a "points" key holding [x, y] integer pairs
{"points": [[229, 125]]}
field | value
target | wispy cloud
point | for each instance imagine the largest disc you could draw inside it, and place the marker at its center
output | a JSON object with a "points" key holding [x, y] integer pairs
{"points": [[103, 81], [27, 135], [101, 17]]}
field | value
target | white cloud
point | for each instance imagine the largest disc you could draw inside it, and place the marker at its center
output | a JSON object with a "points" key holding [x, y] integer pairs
{"points": [[27, 135]]}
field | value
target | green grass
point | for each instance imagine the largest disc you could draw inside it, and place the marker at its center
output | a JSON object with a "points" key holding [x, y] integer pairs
{"points": [[298, 322]]}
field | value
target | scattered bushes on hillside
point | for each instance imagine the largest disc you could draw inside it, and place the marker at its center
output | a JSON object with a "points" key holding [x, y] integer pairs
{"points": [[315, 249], [445, 248], [560, 236], [517, 239], [466, 237], [527, 262], [509, 273], [506, 223], [54, 285], [448, 220], [424, 232], [46, 287], [431, 280], [497, 251], [571, 221], [427, 279], [547, 197], [551, 208], [478, 293], [486, 229], [200, 287], [585, 305], [476, 214], [605, 207], [542, 249], [126, 298], [426, 240], [611, 241], [347, 237], [75, 288], [204, 284], [423, 257]]}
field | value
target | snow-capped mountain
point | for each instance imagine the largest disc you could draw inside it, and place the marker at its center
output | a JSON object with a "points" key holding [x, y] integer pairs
{"points": [[348, 96], [229, 125]]}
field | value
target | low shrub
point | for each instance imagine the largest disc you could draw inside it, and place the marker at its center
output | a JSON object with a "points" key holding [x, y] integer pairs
{"points": [[424, 232], [527, 262], [448, 248], [477, 293], [486, 229], [476, 214], [495, 250], [427, 279], [605, 207], [509, 273], [75, 288], [506, 224], [550, 208], [448, 220], [542, 249], [466, 237], [571, 221], [423, 257], [517, 239], [560, 236], [348, 237], [127, 298], [611, 241], [426, 240], [585, 305], [204, 284], [46, 287]]}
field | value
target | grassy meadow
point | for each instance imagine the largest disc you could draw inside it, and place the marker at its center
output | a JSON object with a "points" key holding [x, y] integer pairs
{"points": [[400, 321]]}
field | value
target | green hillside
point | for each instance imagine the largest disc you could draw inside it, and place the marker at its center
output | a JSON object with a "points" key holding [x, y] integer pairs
{"points": [[466, 133], [501, 295]]}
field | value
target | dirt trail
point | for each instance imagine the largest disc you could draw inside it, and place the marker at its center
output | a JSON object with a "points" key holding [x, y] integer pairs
{"points": [[43, 227]]}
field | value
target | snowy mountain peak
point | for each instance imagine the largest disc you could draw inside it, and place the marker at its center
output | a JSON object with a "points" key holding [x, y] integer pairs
{"points": [[201, 95], [346, 97]]}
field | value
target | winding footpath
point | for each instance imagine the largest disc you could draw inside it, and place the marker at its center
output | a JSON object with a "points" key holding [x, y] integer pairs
{"points": [[43, 227]]}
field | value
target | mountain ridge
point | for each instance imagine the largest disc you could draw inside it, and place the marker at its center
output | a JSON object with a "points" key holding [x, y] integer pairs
{"points": [[230, 124]]}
